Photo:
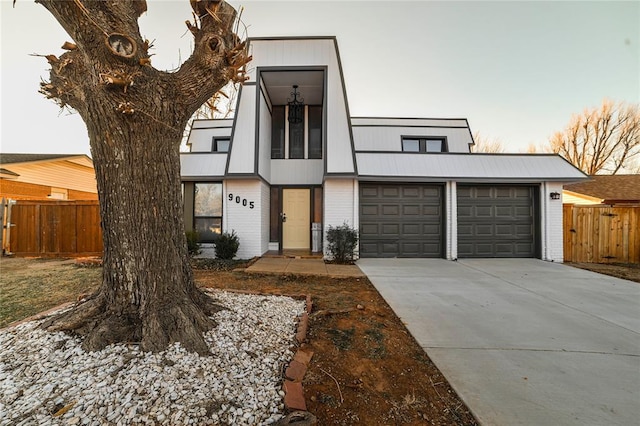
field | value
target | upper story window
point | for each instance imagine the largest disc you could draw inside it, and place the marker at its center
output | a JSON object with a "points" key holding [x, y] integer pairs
{"points": [[221, 144], [300, 140], [423, 144]]}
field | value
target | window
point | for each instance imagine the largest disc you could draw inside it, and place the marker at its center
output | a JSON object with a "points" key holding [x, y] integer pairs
{"points": [[420, 144], [315, 131], [296, 140], [207, 211], [221, 144], [299, 144], [277, 132]]}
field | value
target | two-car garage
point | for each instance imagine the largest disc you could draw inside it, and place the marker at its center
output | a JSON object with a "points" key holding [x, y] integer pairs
{"points": [[407, 220]]}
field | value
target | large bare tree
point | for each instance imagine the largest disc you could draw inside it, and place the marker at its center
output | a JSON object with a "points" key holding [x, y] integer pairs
{"points": [[601, 140], [135, 116]]}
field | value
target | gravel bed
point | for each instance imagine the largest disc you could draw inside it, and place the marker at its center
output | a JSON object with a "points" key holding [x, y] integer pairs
{"points": [[47, 379]]}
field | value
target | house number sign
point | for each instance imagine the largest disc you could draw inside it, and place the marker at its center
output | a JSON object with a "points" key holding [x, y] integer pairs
{"points": [[240, 200]]}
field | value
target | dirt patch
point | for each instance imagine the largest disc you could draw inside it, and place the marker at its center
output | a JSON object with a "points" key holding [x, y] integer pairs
{"points": [[383, 376], [627, 271]]}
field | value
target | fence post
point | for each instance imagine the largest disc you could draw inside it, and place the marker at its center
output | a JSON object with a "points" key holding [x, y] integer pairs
{"points": [[7, 227]]}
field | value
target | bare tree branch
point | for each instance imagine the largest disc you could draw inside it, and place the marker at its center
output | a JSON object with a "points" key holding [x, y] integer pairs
{"points": [[601, 140]]}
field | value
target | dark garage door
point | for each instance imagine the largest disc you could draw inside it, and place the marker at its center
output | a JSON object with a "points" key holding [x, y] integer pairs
{"points": [[497, 221], [400, 221]]}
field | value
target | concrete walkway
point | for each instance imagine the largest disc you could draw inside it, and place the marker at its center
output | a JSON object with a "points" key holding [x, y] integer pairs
{"points": [[523, 342], [293, 266]]}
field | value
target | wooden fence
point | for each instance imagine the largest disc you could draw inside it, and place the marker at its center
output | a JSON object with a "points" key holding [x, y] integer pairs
{"points": [[55, 228], [601, 234]]}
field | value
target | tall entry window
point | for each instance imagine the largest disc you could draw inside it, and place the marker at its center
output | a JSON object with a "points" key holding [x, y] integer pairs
{"points": [[207, 211], [296, 140], [277, 131]]}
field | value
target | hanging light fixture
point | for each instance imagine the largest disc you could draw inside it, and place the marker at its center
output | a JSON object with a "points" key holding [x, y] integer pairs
{"points": [[296, 107]]}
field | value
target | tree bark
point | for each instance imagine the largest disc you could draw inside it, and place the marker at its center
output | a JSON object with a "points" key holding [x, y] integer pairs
{"points": [[135, 116]]}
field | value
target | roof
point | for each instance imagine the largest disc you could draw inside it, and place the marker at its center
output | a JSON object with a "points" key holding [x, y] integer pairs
{"points": [[609, 187], [30, 158], [466, 167]]}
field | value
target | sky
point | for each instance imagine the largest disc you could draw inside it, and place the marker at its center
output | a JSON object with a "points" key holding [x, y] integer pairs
{"points": [[516, 70]]}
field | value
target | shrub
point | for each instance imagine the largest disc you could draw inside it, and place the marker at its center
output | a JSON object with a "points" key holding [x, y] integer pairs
{"points": [[341, 243], [227, 245], [193, 243]]}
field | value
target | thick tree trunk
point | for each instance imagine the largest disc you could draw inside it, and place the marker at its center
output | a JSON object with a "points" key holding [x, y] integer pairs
{"points": [[135, 116], [148, 294]]}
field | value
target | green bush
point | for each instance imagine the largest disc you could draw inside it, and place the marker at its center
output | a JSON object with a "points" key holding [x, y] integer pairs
{"points": [[193, 242], [227, 245], [341, 243]]}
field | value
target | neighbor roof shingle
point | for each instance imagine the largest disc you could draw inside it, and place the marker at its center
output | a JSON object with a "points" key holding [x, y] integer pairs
{"points": [[614, 187]]}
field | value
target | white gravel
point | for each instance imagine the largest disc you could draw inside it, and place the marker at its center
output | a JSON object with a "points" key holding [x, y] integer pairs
{"points": [[42, 372]]}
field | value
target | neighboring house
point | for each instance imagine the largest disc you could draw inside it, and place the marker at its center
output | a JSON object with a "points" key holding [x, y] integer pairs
{"points": [[47, 177], [614, 190], [410, 186]]}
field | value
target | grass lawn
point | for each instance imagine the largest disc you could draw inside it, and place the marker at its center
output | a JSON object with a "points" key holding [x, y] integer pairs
{"points": [[28, 286]]}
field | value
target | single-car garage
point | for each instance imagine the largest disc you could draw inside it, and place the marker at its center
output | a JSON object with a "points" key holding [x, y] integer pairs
{"points": [[401, 220], [498, 221]]}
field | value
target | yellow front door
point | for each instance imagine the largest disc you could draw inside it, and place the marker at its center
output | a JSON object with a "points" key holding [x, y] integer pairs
{"points": [[296, 226]]}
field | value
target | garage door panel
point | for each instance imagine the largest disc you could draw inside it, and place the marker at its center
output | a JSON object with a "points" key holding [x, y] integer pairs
{"points": [[411, 230], [401, 220], [411, 210], [369, 210], [369, 229], [391, 229], [496, 221], [411, 192], [390, 192]]}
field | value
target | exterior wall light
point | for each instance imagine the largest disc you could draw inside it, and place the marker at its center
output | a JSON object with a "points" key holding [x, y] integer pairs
{"points": [[296, 107], [555, 195]]}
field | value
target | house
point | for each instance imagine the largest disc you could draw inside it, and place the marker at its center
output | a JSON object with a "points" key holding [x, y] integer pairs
{"points": [[293, 159], [47, 177], [614, 190]]}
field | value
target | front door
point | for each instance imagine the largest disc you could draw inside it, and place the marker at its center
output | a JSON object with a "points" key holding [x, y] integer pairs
{"points": [[296, 218]]}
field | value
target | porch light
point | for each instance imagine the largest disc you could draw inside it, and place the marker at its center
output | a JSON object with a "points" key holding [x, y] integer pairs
{"points": [[296, 107], [555, 195]]}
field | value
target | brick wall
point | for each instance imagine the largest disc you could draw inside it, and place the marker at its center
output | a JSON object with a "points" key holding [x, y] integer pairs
{"points": [[29, 191]]}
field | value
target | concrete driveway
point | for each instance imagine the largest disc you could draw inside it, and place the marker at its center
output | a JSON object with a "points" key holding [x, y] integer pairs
{"points": [[522, 341]]}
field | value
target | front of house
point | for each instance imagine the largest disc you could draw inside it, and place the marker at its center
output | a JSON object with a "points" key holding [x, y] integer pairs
{"points": [[294, 162]]}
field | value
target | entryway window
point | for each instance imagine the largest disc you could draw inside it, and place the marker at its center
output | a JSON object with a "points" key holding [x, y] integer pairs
{"points": [[207, 211], [302, 140]]}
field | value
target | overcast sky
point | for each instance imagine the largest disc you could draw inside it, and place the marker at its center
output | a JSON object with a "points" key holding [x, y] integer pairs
{"points": [[516, 70]]}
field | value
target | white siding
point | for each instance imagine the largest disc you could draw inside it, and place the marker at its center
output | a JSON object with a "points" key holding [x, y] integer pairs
{"points": [[340, 204], [244, 137], [451, 220], [551, 223], [58, 173], [297, 172], [201, 140], [248, 223], [200, 165], [377, 138], [264, 144], [419, 122]]}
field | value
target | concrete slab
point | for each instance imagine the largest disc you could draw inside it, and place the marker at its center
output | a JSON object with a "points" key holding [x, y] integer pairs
{"points": [[523, 341], [302, 266]]}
